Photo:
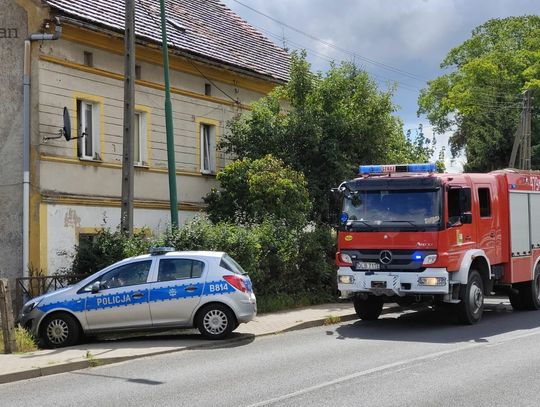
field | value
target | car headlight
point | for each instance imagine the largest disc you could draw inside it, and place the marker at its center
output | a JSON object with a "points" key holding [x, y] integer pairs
{"points": [[29, 306]]}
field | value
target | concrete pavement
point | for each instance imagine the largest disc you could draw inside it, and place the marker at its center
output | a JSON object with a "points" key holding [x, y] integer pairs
{"points": [[112, 349]]}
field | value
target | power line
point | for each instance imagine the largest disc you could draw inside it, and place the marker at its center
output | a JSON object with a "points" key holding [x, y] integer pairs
{"points": [[150, 14], [328, 44]]}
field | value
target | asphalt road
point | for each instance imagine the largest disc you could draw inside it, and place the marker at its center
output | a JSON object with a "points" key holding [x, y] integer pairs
{"points": [[416, 358]]}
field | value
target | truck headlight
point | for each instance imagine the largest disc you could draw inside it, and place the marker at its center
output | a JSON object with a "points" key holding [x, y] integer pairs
{"points": [[345, 258], [432, 281], [430, 259], [346, 279]]}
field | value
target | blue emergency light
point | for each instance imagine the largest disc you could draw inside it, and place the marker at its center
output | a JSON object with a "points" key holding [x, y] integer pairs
{"points": [[387, 169]]}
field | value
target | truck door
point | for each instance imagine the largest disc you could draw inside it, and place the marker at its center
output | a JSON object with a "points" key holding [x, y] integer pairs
{"points": [[460, 222], [487, 226]]}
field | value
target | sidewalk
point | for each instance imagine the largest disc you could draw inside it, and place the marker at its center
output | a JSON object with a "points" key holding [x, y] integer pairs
{"points": [[120, 348]]}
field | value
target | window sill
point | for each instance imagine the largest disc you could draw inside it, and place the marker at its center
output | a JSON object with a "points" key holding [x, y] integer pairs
{"points": [[141, 166], [95, 160], [208, 173]]}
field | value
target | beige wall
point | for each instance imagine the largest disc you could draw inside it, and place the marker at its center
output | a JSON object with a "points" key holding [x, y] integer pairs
{"points": [[62, 81]]}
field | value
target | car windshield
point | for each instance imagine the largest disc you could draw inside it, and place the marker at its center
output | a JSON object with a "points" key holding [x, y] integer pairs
{"points": [[391, 209]]}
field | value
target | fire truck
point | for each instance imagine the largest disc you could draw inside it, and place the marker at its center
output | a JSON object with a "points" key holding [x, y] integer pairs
{"points": [[408, 234]]}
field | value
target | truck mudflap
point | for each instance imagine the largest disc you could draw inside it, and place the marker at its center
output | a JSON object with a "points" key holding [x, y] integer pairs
{"points": [[430, 281]]}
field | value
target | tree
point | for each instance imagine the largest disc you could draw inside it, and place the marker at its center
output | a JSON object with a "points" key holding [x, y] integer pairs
{"points": [[253, 190], [480, 100], [323, 126]]}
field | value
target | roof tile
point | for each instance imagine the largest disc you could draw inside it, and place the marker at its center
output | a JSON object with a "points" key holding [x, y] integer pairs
{"points": [[212, 31]]}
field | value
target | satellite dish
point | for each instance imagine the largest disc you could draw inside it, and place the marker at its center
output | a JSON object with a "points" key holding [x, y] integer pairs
{"points": [[66, 130]]}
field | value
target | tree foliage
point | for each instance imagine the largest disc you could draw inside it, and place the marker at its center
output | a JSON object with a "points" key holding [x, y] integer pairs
{"points": [[253, 190], [480, 99], [323, 125]]}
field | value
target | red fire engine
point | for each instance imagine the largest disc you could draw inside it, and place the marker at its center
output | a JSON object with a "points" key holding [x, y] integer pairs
{"points": [[409, 234]]}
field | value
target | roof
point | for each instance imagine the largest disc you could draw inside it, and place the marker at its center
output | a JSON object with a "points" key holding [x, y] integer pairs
{"points": [[202, 28]]}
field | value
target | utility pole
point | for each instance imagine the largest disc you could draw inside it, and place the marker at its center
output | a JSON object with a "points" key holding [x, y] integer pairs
{"points": [[522, 137], [171, 163], [126, 216]]}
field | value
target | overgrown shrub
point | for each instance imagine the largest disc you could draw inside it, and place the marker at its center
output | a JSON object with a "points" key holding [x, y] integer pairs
{"points": [[106, 248]]}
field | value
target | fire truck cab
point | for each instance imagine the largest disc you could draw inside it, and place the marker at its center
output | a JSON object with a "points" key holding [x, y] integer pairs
{"points": [[409, 234]]}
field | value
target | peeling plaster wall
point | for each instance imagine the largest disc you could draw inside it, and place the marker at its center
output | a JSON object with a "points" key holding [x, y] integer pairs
{"points": [[13, 31]]}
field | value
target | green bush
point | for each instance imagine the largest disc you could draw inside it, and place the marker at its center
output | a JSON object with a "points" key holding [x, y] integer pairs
{"points": [[254, 190], [106, 248]]}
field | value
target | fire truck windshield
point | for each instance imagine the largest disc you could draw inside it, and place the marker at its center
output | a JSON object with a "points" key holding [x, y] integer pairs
{"points": [[391, 210]]}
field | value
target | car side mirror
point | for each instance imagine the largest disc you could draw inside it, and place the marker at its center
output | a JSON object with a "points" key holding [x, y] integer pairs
{"points": [[95, 287]]}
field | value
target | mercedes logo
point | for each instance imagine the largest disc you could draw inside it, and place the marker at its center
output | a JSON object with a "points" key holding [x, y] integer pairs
{"points": [[385, 257]]}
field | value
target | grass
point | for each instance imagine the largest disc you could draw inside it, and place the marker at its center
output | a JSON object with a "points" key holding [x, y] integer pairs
{"points": [[332, 319], [92, 362], [23, 339]]}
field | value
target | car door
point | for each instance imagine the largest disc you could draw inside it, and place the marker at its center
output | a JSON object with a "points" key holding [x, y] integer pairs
{"points": [[177, 290], [122, 300]]}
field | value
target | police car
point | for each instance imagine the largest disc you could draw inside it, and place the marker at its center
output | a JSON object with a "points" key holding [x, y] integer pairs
{"points": [[161, 290]]}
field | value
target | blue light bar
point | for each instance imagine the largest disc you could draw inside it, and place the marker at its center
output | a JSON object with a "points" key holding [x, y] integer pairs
{"points": [[386, 169]]}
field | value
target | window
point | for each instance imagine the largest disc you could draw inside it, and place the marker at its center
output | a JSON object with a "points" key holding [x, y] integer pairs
{"points": [[459, 203], [139, 139], [86, 241], [207, 89], [88, 129], [137, 72], [484, 200], [88, 58], [179, 269], [126, 275], [230, 264], [208, 148]]}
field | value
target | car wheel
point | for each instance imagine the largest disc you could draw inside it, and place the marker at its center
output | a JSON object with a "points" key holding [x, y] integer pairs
{"points": [[59, 330], [368, 309], [471, 307], [216, 321]]}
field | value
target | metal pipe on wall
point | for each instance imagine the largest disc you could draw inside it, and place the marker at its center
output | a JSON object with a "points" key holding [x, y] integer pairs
{"points": [[26, 135]]}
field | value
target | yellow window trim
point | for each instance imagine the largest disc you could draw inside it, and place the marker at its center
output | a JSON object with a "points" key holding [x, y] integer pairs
{"points": [[100, 100], [217, 125], [152, 54], [148, 118]]}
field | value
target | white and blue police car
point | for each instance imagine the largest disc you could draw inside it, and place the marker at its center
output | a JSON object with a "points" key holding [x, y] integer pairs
{"points": [[161, 290]]}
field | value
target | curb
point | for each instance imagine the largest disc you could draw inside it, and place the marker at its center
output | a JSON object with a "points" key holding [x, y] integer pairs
{"points": [[95, 362]]}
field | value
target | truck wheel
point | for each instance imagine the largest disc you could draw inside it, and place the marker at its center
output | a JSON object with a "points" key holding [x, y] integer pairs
{"points": [[471, 307], [529, 292], [516, 301], [368, 309]]}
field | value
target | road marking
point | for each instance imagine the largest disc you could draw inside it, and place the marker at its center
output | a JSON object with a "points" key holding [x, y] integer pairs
{"points": [[469, 345]]}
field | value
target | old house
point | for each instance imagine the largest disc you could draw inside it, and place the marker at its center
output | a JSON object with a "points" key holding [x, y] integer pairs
{"points": [[219, 65]]}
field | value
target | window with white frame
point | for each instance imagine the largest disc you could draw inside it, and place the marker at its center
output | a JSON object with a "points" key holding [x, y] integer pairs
{"points": [[139, 139], [208, 148], [88, 129]]}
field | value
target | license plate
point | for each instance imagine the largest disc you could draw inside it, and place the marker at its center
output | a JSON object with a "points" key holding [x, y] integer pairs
{"points": [[362, 265], [378, 284]]}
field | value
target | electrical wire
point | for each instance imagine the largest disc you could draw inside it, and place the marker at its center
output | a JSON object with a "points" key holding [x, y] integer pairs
{"points": [[151, 15]]}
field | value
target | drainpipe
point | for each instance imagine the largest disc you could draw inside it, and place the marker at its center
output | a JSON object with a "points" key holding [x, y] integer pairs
{"points": [[26, 136]]}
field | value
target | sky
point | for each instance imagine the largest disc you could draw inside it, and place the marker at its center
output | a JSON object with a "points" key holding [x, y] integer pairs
{"points": [[401, 41]]}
